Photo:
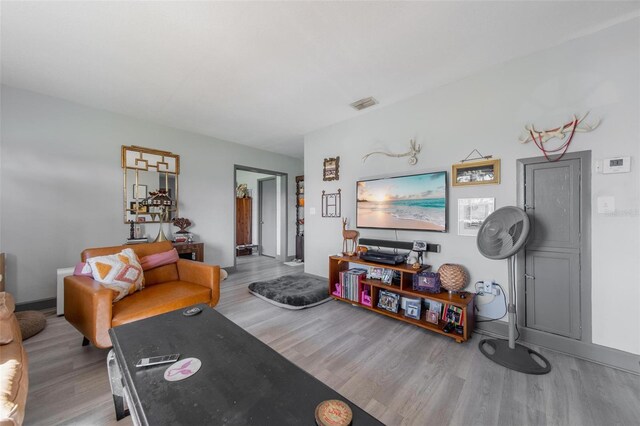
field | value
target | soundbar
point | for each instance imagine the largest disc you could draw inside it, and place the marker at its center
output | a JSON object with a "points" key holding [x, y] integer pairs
{"points": [[380, 257], [403, 245]]}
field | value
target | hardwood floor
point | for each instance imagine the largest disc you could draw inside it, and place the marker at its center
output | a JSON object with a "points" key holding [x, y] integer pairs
{"points": [[401, 374]]}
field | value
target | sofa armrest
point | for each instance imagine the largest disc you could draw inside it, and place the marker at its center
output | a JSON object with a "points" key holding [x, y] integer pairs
{"points": [[87, 306], [202, 274]]}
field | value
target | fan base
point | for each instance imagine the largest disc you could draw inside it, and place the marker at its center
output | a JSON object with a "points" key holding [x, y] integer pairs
{"points": [[519, 359]]}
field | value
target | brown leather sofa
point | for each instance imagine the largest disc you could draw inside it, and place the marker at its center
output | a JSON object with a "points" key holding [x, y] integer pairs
{"points": [[88, 305], [14, 377]]}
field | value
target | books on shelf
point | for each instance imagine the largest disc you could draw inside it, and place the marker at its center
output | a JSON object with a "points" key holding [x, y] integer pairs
{"points": [[137, 240], [350, 283]]}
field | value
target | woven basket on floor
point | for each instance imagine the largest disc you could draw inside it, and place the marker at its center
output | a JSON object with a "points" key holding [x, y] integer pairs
{"points": [[453, 277]]}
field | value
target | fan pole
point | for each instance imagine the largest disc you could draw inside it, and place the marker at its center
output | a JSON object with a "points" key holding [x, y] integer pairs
{"points": [[511, 309]]}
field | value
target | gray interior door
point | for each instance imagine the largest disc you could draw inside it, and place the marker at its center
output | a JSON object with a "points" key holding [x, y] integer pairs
{"points": [[268, 217], [552, 254]]}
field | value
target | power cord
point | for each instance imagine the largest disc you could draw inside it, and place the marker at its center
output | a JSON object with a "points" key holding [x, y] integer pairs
{"points": [[504, 298], [506, 310]]}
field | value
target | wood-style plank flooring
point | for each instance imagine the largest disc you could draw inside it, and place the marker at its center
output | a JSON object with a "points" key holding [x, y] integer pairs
{"points": [[400, 374]]}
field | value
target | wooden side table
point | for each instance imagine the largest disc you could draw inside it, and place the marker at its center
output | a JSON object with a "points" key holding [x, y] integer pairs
{"points": [[192, 251]]}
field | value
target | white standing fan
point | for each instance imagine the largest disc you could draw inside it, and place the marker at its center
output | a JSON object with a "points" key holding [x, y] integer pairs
{"points": [[501, 236]]}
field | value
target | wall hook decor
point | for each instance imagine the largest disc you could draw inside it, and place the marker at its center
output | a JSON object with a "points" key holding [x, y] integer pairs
{"points": [[477, 157], [540, 137], [414, 150]]}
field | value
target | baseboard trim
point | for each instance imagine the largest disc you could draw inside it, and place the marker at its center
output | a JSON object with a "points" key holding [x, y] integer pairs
{"points": [[603, 355], [36, 305]]}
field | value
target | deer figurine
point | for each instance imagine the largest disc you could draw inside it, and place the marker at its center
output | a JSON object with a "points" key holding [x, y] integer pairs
{"points": [[348, 235]]}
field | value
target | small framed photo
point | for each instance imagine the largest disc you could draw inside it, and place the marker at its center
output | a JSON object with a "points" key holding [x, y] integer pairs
{"points": [[141, 208], [331, 169], [413, 309], [432, 317], [472, 212], [476, 173], [139, 192], [419, 245], [427, 281], [387, 276], [389, 301], [376, 273]]}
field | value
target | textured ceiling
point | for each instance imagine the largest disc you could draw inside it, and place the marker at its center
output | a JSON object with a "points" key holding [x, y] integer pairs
{"points": [[265, 73]]}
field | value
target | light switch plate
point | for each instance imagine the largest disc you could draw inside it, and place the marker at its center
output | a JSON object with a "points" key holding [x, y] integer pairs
{"points": [[606, 205]]}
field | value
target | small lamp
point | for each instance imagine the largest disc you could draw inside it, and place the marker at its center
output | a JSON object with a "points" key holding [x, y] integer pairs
{"points": [[160, 199]]}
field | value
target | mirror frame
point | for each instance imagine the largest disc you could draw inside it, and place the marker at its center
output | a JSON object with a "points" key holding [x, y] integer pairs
{"points": [[141, 159]]}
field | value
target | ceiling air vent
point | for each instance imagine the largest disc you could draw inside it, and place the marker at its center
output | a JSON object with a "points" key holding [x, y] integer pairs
{"points": [[364, 103]]}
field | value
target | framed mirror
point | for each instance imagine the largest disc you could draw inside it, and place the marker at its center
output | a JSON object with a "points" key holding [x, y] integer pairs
{"points": [[145, 172]]}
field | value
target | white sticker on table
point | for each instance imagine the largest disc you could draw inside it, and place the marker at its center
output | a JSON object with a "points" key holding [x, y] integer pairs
{"points": [[182, 369]]}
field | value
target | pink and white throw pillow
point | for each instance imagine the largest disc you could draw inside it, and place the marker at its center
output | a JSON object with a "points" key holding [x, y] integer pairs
{"points": [[120, 272]]}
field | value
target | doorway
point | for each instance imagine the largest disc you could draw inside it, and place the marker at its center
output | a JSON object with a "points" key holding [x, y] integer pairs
{"points": [[260, 214], [554, 292]]}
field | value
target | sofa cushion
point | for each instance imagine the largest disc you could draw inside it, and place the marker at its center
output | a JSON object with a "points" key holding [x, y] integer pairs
{"points": [[159, 259], [158, 299], [7, 306], [119, 272], [14, 379], [161, 274], [151, 277]]}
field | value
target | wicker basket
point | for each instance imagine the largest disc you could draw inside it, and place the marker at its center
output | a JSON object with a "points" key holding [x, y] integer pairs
{"points": [[453, 277]]}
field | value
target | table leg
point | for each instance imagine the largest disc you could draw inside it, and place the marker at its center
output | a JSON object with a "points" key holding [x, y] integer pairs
{"points": [[117, 389]]}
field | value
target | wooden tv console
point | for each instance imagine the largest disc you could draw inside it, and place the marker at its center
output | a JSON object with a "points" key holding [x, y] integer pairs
{"points": [[338, 264]]}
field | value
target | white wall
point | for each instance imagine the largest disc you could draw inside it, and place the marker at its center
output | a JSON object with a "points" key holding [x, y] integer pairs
{"points": [[62, 185], [599, 72]]}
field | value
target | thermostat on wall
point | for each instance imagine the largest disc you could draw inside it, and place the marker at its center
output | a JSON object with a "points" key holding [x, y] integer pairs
{"points": [[616, 165]]}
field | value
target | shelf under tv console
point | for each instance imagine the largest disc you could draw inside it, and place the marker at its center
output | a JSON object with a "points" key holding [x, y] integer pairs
{"points": [[404, 288]]}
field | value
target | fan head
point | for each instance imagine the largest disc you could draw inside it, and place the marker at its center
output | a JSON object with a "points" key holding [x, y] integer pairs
{"points": [[503, 233]]}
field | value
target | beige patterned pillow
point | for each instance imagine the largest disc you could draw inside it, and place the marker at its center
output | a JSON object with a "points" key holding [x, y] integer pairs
{"points": [[120, 272]]}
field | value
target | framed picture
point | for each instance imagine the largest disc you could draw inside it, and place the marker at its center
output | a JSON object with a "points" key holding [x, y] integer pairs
{"points": [[476, 173], [454, 315], [427, 281], [376, 273], [419, 245], [139, 192], [331, 169], [387, 276], [389, 301], [472, 212], [141, 208], [412, 309], [432, 317]]}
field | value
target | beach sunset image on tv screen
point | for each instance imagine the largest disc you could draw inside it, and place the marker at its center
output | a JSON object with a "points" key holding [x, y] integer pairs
{"points": [[406, 202]]}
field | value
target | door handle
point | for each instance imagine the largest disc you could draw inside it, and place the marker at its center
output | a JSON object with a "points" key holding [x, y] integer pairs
{"points": [[528, 207], [529, 277]]}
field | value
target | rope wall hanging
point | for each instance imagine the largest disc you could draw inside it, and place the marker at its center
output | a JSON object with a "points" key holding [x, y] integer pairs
{"points": [[540, 137]]}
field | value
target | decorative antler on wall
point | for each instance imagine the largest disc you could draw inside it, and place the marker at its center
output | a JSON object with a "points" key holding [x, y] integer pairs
{"points": [[414, 150], [571, 128]]}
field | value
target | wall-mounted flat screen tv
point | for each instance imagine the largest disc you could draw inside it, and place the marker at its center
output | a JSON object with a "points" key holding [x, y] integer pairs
{"points": [[415, 202]]}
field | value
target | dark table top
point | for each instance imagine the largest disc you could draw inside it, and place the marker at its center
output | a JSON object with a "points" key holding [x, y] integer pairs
{"points": [[242, 381]]}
